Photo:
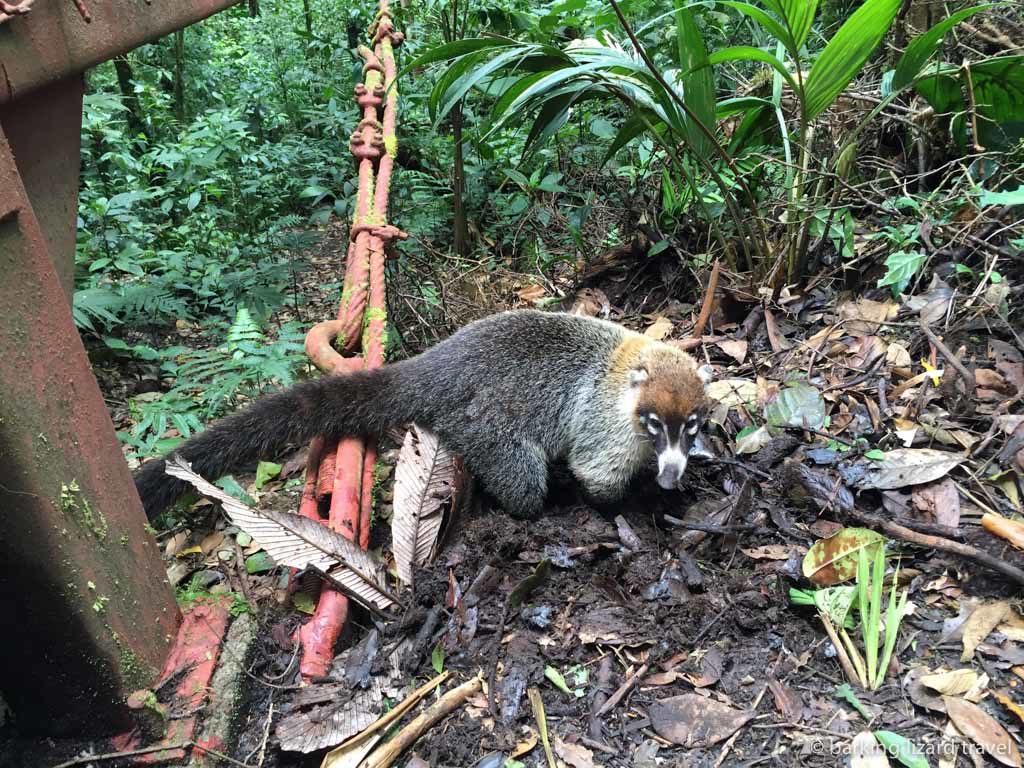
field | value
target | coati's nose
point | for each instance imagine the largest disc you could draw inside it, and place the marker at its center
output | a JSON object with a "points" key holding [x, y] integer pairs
{"points": [[671, 466]]}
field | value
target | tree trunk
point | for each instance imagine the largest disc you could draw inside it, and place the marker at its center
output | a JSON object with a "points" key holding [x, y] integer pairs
{"points": [[254, 8], [179, 75], [126, 83], [461, 234], [307, 12]]}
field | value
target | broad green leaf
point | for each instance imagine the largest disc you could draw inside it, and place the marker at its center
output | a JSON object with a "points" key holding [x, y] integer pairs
{"points": [[998, 85], [901, 748], [557, 679], [835, 559], [845, 54], [900, 268], [749, 53], [635, 124], [800, 406], [265, 472], [846, 693], [768, 22], [923, 46], [1008, 197], [835, 602], [229, 484], [454, 94], [259, 562], [193, 200], [458, 48], [437, 657], [799, 15], [699, 84]]}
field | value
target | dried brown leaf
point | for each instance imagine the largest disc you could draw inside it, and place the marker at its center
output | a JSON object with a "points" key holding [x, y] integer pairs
{"points": [[591, 302], [901, 467], [691, 720], [787, 701], [952, 683], [734, 348], [298, 542], [425, 478], [981, 728], [864, 317], [897, 356], [574, 755], [980, 623], [940, 500], [659, 329]]}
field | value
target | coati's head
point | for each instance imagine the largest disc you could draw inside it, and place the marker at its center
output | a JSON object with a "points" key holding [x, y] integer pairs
{"points": [[669, 405]]}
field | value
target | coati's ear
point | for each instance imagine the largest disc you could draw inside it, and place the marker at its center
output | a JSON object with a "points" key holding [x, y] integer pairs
{"points": [[638, 376], [706, 373]]}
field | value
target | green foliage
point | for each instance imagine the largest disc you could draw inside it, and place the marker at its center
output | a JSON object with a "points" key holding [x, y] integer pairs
{"points": [[667, 94], [212, 381]]}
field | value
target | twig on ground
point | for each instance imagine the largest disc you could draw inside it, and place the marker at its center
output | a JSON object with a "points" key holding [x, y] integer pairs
{"points": [[947, 353], [709, 302], [945, 545], [405, 738], [604, 676], [399, 711], [623, 689]]}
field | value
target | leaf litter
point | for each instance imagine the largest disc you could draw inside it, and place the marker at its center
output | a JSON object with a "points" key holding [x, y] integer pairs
{"points": [[674, 608]]}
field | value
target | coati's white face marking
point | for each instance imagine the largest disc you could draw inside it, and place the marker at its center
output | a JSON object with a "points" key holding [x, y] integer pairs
{"points": [[672, 444]]}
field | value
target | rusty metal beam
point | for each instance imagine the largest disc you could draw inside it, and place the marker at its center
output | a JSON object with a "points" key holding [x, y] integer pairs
{"points": [[53, 41], [44, 130], [89, 615]]}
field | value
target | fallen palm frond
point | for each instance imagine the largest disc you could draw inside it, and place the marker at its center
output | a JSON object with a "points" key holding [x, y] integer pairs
{"points": [[298, 542], [425, 479]]}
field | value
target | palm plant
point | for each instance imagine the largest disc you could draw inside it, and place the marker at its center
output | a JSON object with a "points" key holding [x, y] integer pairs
{"points": [[674, 103]]}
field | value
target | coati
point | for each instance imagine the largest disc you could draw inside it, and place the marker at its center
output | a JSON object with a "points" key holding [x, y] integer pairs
{"points": [[511, 393]]}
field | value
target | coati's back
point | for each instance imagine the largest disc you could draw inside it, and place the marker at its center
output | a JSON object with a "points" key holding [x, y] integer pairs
{"points": [[526, 374]]}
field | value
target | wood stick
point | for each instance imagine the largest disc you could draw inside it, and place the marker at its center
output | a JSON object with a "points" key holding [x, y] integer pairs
{"points": [[616, 697], [947, 353], [398, 712], [709, 302], [405, 738], [945, 545]]}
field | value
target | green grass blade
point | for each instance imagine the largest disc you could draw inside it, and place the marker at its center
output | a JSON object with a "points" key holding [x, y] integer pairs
{"points": [[749, 53], [845, 54], [924, 45], [769, 23], [699, 84], [799, 15]]}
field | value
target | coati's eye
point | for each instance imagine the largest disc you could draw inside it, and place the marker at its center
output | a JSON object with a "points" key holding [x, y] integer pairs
{"points": [[653, 424], [693, 424]]}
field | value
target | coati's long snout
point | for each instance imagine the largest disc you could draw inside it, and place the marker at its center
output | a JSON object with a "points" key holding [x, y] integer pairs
{"points": [[352, 404]]}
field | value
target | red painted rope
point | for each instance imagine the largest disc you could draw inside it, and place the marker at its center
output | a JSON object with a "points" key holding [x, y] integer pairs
{"points": [[345, 471]]}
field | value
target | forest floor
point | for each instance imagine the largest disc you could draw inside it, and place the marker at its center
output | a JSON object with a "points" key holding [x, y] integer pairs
{"points": [[663, 633]]}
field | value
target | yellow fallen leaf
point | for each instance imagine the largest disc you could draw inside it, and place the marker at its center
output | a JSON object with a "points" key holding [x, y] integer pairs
{"points": [[195, 550], [1010, 704], [1011, 530], [954, 683], [935, 373]]}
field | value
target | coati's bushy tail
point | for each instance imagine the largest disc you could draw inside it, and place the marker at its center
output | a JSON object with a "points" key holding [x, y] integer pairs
{"points": [[365, 402]]}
